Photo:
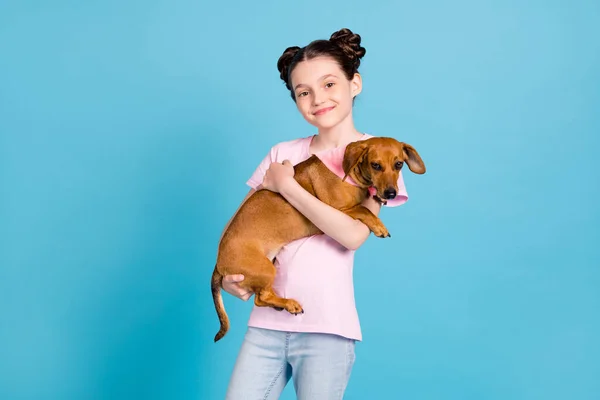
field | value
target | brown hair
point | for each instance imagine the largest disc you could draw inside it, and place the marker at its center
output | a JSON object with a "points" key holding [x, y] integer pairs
{"points": [[343, 46]]}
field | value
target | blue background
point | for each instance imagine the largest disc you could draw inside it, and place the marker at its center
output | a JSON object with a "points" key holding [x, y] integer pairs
{"points": [[128, 130]]}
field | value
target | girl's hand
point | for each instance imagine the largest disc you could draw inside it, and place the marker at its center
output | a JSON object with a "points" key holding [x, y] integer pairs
{"points": [[278, 176], [230, 285]]}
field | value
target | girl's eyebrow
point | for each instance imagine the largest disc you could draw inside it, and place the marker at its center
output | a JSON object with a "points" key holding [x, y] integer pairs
{"points": [[320, 79]]}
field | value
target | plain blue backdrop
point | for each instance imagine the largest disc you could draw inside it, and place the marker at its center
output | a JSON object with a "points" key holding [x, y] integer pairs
{"points": [[127, 133]]}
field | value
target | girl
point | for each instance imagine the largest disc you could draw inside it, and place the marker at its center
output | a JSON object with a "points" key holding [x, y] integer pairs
{"points": [[314, 349]]}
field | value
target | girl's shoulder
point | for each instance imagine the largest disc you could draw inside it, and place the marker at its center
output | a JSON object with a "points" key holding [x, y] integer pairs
{"points": [[293, 143], [367, 136], [293, 149]]}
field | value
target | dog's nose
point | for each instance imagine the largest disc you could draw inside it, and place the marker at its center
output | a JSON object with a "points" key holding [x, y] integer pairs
{"points": [[389, 193]]}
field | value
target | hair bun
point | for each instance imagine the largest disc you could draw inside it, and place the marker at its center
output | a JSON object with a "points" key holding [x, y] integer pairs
{"points": [[283, 64], [349, 42]]}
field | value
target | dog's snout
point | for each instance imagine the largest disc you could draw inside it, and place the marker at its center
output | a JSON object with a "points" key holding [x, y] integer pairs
{"points": [[389, 193]]}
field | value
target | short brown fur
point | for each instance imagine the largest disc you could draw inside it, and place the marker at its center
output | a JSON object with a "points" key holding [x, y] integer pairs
{"points": [[266, 221]]}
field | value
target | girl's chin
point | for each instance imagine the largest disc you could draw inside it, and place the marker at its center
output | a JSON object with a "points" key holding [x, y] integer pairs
{"points": [[323, 124]]}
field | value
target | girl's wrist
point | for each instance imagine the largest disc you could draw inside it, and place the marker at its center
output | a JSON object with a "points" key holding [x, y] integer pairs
{"points": [[288, 186]]}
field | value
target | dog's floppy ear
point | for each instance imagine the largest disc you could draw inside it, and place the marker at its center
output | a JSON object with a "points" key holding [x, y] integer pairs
{"points": [[413, 159], [354, 155]]}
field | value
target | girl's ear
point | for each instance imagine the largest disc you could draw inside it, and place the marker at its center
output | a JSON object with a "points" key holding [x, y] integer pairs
{"points": [[356, 84]]}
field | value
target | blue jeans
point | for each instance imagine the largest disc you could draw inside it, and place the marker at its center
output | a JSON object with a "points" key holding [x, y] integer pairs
{"points": [[319, 364]]}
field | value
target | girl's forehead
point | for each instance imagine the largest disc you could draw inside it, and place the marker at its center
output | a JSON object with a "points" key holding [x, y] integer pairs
{"points": [[315, 69]]}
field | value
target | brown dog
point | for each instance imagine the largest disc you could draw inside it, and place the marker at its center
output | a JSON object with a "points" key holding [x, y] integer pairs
{"points": [[266, 221]]}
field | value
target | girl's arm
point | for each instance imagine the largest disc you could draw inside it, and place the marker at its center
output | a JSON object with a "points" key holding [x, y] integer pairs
{"points": [[344, 229]]}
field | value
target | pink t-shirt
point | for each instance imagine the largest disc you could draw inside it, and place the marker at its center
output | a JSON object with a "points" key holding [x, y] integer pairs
{"points": [[316, 271]]}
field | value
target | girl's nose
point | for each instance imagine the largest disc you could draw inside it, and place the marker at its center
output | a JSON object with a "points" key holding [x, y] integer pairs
{"points": [[319, 98]]}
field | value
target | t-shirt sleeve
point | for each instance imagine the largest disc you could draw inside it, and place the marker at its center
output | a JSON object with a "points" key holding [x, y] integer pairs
{"points": [[401, 195], [259, 173]]}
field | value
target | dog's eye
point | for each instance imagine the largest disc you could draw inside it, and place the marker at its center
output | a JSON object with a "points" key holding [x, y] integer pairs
{"points": [[399, 165], [376, 166]]}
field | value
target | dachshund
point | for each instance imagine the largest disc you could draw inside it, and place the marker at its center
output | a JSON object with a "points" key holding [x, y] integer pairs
{"points": [[266, 222]]}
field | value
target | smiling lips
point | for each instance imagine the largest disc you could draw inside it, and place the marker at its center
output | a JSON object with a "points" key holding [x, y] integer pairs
{"points": [[323, 111]]}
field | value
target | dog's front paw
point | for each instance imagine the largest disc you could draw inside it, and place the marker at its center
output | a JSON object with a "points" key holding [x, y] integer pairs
{"points": [[293, 307], [381, 231]]}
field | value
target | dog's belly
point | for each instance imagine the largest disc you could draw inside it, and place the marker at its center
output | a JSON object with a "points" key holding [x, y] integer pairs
{"points": [[268, 220]]}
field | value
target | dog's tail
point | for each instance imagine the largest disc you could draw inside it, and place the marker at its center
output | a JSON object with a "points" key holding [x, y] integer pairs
{"points": [[215, 286]]}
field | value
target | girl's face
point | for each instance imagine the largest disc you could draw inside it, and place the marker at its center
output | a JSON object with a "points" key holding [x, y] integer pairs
{"points": [[323, 93]]}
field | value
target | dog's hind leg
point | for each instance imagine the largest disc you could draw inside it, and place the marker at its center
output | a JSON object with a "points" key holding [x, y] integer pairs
{"points": [[259, 275], [260, 303], [268, 298], [260, 281]]}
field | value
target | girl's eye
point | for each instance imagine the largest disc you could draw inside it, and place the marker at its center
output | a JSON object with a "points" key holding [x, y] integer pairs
{"points": [[302, 94], [330, 84]]}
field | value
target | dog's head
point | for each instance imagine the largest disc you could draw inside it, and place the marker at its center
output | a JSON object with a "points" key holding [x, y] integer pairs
{"points": [[376, 162]]}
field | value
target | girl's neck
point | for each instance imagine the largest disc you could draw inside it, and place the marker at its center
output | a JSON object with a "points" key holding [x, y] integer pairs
{"points": [[334, 137]]}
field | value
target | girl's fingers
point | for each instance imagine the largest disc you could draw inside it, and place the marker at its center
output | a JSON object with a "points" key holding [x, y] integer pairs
{"points": [[234, 278]]}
